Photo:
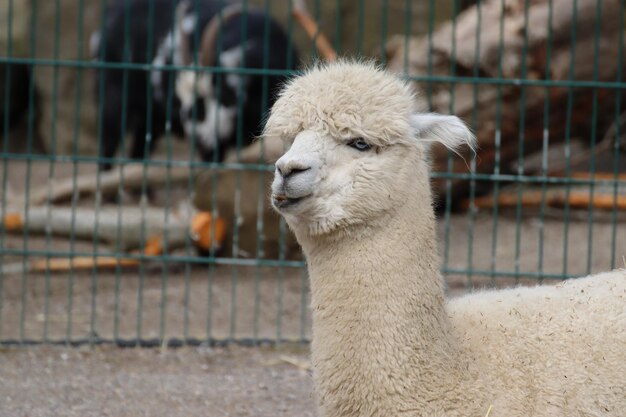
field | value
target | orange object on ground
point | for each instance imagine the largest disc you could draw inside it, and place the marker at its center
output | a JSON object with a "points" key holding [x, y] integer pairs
{"points": [[153, 246], [204, 228], [13, 222]]}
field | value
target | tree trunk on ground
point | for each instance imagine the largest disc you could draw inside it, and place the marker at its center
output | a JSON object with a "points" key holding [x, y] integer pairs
{"points": [[150, 230]]}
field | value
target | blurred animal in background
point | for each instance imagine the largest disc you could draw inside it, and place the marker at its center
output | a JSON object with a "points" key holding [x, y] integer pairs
{"points": [[215, 104], [131, 34], [20, 110], [216, 110]]}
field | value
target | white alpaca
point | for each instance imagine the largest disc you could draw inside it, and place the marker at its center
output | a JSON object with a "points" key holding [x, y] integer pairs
{"points": [[354, 188]]}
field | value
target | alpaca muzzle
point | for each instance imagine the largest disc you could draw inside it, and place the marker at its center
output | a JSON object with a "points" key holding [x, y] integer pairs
{"points": [[291, 185]]}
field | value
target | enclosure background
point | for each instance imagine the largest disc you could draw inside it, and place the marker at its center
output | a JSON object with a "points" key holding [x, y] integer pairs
{"points": [[255, 289]]}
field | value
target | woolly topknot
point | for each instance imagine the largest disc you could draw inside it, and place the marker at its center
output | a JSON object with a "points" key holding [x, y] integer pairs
{"points": [[344, 99]]}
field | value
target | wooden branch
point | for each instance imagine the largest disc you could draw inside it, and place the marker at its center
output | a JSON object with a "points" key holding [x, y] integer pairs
{"points": [[577, 199], [604, 176], [81, 263], [309, 25]]}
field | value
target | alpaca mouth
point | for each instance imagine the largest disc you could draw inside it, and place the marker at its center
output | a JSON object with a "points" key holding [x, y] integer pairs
{"points": [[281, 201]]}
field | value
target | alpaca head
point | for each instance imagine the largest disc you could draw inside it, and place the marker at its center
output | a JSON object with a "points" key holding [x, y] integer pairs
{"points": [[358, 146]]}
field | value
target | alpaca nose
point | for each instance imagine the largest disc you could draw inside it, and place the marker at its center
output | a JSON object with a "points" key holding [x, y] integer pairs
{"points": [[288, 168]]}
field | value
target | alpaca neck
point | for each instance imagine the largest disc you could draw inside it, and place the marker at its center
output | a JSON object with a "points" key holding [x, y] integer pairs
{"points": [[378, 313]]}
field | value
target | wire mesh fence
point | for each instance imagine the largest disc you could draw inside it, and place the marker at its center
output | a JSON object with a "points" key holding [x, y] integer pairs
{"points": [[134, 192]]}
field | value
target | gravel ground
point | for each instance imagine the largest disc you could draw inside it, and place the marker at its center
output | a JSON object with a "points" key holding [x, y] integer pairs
{"points": [[109, 381]]}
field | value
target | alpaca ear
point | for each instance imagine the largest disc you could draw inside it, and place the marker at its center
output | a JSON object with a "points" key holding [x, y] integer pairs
{"points": [[450, 131]]}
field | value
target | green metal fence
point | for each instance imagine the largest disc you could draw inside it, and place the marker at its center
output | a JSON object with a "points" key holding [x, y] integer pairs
{"points": [[540, 82]]}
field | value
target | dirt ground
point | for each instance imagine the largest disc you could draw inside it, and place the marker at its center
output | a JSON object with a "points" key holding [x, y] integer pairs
{"points": [[108, 381]]}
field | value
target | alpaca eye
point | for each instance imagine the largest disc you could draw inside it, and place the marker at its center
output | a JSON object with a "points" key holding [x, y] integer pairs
{"points": [[360, 145]]}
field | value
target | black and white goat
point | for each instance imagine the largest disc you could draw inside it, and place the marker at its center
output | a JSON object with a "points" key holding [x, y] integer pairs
{"points": [[215, 107], [226, 107]]}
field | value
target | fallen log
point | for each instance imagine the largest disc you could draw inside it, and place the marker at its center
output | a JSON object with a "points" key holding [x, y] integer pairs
{"points": [[150, 230]]}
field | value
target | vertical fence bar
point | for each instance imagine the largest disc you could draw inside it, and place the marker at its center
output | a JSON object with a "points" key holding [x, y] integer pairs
{"points": [[29, 146], [165, 267], [148, 146], [101, 139], [261, 202], [431, 28], [123, 128], [616, 143], [259, 252], [100, 134], [594, 118], [52, 165], [497, 150], [95, 246], [238, 201], [318, 19], [190, 186], [126, 56], [360, 26], [338, 28], [471, 212], [5, 148], [75, 163], [144, 186], [568, 133], [195, 37], [384, 22], [520, 148], [408, 14], [546, 142]]}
